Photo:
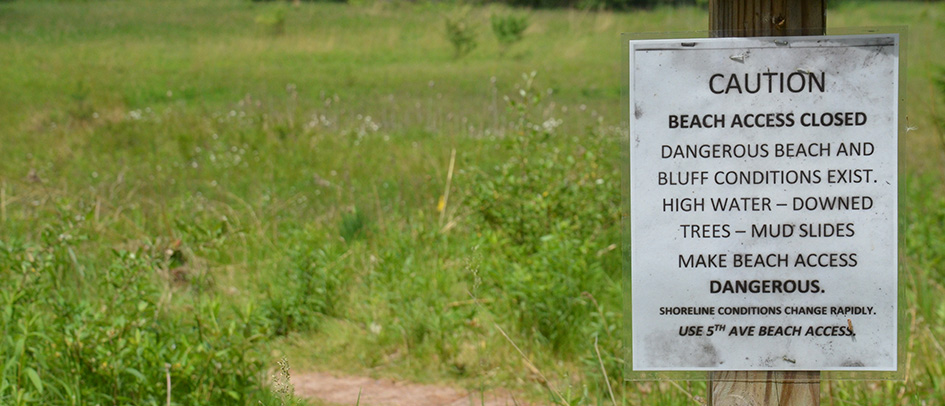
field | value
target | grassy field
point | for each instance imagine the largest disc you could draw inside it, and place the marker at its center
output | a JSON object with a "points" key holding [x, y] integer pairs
{"points": [[192, 190]]}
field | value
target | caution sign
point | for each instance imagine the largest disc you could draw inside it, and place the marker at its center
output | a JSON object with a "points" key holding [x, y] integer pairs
{"points": [[763, 203]]}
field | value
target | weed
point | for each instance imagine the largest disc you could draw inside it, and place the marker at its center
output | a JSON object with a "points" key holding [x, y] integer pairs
{"points": [[314, 287], [282, 384], [81, 108], [353, 226]]}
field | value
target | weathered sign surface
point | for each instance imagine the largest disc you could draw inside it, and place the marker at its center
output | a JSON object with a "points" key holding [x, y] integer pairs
{"points": [[764, 203]]}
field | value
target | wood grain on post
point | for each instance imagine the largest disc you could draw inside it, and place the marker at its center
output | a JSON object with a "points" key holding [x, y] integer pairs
{"points": [[766, 18], [763, 388]]}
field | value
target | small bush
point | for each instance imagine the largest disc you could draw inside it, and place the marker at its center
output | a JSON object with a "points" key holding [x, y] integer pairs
{"points": [[272, 22], [461, 33], [550, 213], [544, 182], [508, 29]]}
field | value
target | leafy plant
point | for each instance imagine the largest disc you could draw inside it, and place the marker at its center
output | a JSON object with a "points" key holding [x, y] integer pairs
{"points": [[354, 225], [313, 289], [81, 108], [550, 211], [272, 22], [461, 33], [543, 183], [110, 339], [508, 29]]}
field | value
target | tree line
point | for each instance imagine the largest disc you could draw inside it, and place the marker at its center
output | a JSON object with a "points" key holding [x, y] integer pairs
{"points": [[582, 4]]}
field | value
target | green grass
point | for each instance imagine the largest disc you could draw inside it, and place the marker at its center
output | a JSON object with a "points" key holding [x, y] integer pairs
{"points": [[288, 185]]}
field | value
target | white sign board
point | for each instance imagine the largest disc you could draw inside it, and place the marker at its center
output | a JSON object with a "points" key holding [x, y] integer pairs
{"points": [[763, 201]]}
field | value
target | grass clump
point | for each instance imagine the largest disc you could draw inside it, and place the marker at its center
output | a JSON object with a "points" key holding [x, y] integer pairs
{"points": [[314, 288], [354, 225]]}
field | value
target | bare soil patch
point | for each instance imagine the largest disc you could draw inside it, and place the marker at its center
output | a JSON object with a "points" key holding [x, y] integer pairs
{"points": [[343, 390]]}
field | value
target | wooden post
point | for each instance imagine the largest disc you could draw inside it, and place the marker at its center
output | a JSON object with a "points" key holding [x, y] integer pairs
{"points": [[766, 18], [759, 388]]}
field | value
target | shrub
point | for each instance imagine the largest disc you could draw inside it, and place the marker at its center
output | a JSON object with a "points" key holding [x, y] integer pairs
{"points": [[272, 22], [550, 212], [542, 183], [461, 33], [508, 29]]}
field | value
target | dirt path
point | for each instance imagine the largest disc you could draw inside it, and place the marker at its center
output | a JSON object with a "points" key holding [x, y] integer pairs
{"points": [[343, 390]]}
